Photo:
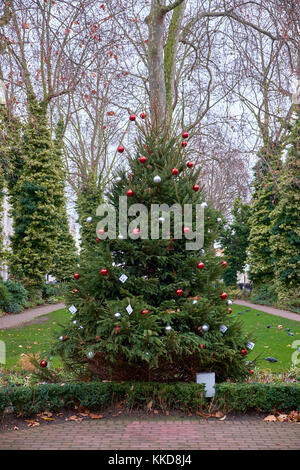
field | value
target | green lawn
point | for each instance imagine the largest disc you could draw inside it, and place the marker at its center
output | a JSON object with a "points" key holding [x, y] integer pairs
{"points": [[35, 338], [268, 341]]}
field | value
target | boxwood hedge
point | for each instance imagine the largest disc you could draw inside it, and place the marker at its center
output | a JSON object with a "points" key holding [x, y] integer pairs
{"points": [[27, 401]]}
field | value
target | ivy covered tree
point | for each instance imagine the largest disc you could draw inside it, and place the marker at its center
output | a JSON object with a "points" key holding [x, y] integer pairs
{"points": [[285, 222], [65, 257], [264, 199], [36, 200], [146, 307], [87, 202], [235, 241], [11, 159], [1, 215]]}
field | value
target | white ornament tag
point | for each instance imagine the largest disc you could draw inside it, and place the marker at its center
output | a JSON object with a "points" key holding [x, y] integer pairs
{"points": [[73, 309], [129, 309], [250, 345], [123, 278], [223, 328]]}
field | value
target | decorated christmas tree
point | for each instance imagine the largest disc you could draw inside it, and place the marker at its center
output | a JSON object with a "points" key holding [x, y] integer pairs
{"points": [[147, 302]]}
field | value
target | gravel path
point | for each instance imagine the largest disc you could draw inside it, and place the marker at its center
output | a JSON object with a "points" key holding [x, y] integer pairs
{"points": [[273, 311], [13, 320]]}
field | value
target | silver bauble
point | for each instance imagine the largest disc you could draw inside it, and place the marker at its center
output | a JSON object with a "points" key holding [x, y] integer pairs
{"points": [[195, 301], [75, 321], [204, 205], [157, 179], [118, 315], [61, 338], [118, 179], [219, 219], [89, 220], [229, 302], [120, 236], [205, 327], [161, 219], [168, 328], [90, 354]]}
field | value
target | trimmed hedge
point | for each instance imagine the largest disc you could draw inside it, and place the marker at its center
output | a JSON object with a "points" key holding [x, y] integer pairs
{"points": [[258, 396], [100, 395], [27, 401]]}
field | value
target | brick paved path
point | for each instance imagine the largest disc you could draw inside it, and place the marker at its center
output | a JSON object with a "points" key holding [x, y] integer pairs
{"points": [[160, 433], [272, 310], [11, 321]]}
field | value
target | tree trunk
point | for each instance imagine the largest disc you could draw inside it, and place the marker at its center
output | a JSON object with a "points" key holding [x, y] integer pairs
{"points": [[156, 26]]}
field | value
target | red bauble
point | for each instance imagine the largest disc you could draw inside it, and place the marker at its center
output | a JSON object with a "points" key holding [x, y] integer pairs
{"points": [[244, 352], [129, 193], [251, 371], [97, 240], [179, 292], [183, 143], [101, 231], [43, 364], [144, 312], [75, 291], [186, 230], [143, 159], [136, 231], [230, 310], [132, 117], [224, 264], [185, 135], [223, 295], [143, 115], [200, 265], [76, 276], [121, 149], [175, 171], [104, 271], [202, 346], [190, 164], [196, 187], [65, 338]]}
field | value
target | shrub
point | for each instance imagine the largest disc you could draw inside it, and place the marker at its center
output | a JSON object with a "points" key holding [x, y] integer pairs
{"points": [[258, 396], [4, 294], [16, 301], [264, 294], [98, 395], [188, 397]]}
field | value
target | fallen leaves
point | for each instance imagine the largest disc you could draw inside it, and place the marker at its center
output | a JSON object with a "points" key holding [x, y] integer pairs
{"points": [[292, 417], [32, 423], [218, 414], [73, 418], [95, 416]]}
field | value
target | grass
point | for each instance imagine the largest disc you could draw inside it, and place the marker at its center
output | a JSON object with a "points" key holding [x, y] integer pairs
{"points": [[37, 338], [270, 342]]}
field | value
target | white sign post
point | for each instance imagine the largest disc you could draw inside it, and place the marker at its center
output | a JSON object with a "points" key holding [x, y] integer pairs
{"points": [[209, 379]]}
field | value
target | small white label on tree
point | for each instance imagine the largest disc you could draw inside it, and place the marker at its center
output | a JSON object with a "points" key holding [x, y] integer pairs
{"points": [[250, 345], [129, 309], [123, 278], [209, 379], [223, 328], [73, 309]]}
